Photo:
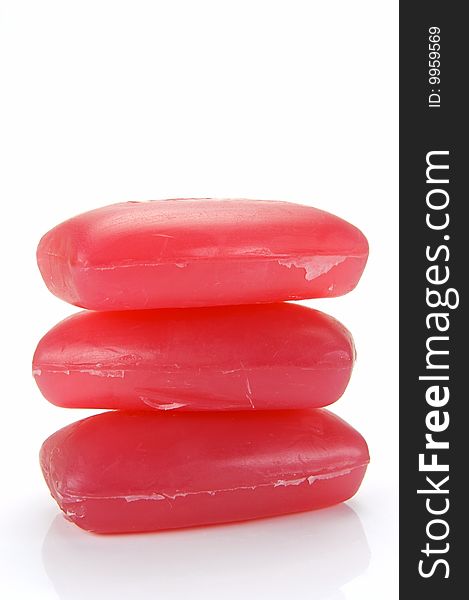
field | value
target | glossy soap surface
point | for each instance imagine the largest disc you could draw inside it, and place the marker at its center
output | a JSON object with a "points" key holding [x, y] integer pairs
{"points": [[144, 471], [219, 358], [200, 252]]}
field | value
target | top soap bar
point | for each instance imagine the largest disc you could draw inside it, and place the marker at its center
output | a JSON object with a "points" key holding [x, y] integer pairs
{"points": [[200, 252]]}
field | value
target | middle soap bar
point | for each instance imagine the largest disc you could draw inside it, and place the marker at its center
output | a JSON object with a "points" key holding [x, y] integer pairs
{"points": [[220, 358]]}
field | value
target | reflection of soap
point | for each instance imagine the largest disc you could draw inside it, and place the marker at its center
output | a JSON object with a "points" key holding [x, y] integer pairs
{"points": [[269, 558], [220, 358], [145, 471], [200, 252]]}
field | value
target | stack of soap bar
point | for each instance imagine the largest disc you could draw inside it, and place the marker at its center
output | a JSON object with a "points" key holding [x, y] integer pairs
{"points": [[217, 384]]}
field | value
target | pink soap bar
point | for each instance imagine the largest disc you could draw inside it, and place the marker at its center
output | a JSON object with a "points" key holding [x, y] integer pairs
{"points": [[200, 252], [219, 358], [144, 471]]}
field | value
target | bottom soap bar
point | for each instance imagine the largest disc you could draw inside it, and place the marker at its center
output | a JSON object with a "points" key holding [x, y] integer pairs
{"points": [[120, 472]]}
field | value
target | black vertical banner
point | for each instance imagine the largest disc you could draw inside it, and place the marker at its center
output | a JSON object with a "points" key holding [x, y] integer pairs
{"points": [[434, 360]]}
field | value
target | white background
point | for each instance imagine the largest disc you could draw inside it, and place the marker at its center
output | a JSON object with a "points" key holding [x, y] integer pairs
{"points": [[131, 100]]}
